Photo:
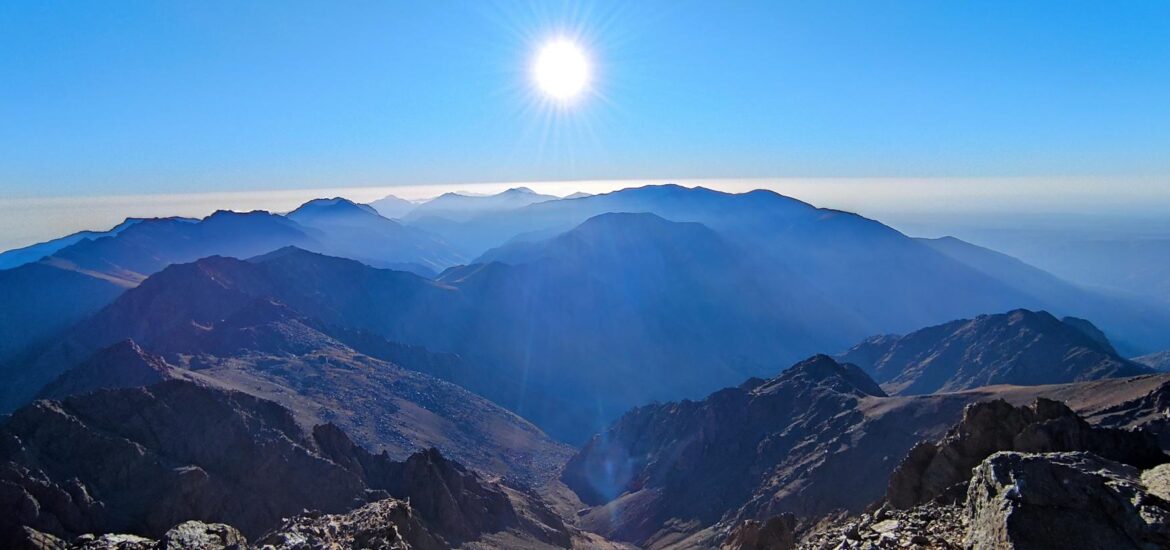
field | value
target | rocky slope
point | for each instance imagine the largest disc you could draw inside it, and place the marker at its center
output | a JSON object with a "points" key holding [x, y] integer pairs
{"points": [[818, 439], [142, 460], [970, 489], [268, 350], [931, 470], [795, 443], [1020, 347], [1157, 361]]}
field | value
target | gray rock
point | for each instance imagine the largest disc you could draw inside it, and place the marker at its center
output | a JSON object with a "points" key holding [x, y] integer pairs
{"points": [[1062, 500], [777, 533], [930, 469], [196, 535]]}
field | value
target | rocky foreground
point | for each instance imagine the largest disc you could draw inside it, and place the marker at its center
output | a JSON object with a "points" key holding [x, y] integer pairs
{"points": [[1023, 478]]}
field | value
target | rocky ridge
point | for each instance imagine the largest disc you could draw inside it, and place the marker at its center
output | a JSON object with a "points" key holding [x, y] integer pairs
{"points": [[142, 460]]}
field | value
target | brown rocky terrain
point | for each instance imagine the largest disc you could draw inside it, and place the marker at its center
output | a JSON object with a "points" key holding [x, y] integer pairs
{"points": [[142, 460], [1063, 494], [266, 349], [817, 441], [1020, 347]]}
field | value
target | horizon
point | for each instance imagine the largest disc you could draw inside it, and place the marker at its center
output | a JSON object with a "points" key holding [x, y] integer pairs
{"points": [[919, 207]]}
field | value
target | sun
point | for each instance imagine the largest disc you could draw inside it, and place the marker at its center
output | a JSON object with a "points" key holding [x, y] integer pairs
{"points": [[561, 70]]}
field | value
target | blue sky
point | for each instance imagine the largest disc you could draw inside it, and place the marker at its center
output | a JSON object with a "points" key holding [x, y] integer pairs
{"points": [[172, 97]]}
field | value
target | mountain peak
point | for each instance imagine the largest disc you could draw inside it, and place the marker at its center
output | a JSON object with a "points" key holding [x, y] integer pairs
{"points": [[122, 364], [335, 205], [822, 370], [1020, 347]]}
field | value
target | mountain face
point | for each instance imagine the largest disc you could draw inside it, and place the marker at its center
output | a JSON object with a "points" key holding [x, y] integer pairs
{"points": [[460, 207], [890, 282], [670, 308], [1020, 347], [793, 443], [41, 298], [141, 460], [819, 438], [264, 348], [1157, 361], [344, 228]]}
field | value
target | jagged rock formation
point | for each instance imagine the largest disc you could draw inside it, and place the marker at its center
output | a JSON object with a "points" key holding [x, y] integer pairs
{"points": [[141, 460], [775, 533], [931, 469], [1020, 347], [1062, 500], [382, 525]]}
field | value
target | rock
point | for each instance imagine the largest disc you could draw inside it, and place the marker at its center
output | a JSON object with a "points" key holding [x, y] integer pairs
{"points": [[384, 525], [930, 469], [174, 451], [1062, 500], [774, 534], [196, 535], [112, 541], [1157, 481]]}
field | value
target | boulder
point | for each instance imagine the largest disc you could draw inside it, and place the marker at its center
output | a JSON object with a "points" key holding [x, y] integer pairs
{"points": [[1062, 500], [930, 469], [196, 535]]}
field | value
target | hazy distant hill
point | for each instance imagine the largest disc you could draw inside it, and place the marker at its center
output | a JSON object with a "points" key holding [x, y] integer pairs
{"points": [[459, 207], [894, 282], [393, 207], [37, 299], [20, 256], [1159, 360], [1019, 347], [343, 228]]}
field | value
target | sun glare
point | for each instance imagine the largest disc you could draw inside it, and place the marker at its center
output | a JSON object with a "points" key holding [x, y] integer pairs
{"points": [[561, 70]]}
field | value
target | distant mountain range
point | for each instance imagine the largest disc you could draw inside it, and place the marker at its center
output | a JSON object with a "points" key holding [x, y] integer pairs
{"points": [[419, 378], [214, 322], [674, 291], [41, 298]]}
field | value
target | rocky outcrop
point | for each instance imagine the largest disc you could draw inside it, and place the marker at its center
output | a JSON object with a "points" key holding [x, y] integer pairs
{"points": [[933, 526], [383, 525], [931, 469], [142, 460], [1021, 347], [775, 533], [196, 535], [1062, 500]]}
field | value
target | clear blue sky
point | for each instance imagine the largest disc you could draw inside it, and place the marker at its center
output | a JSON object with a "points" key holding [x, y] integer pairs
{"points": [[143, 97]]}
